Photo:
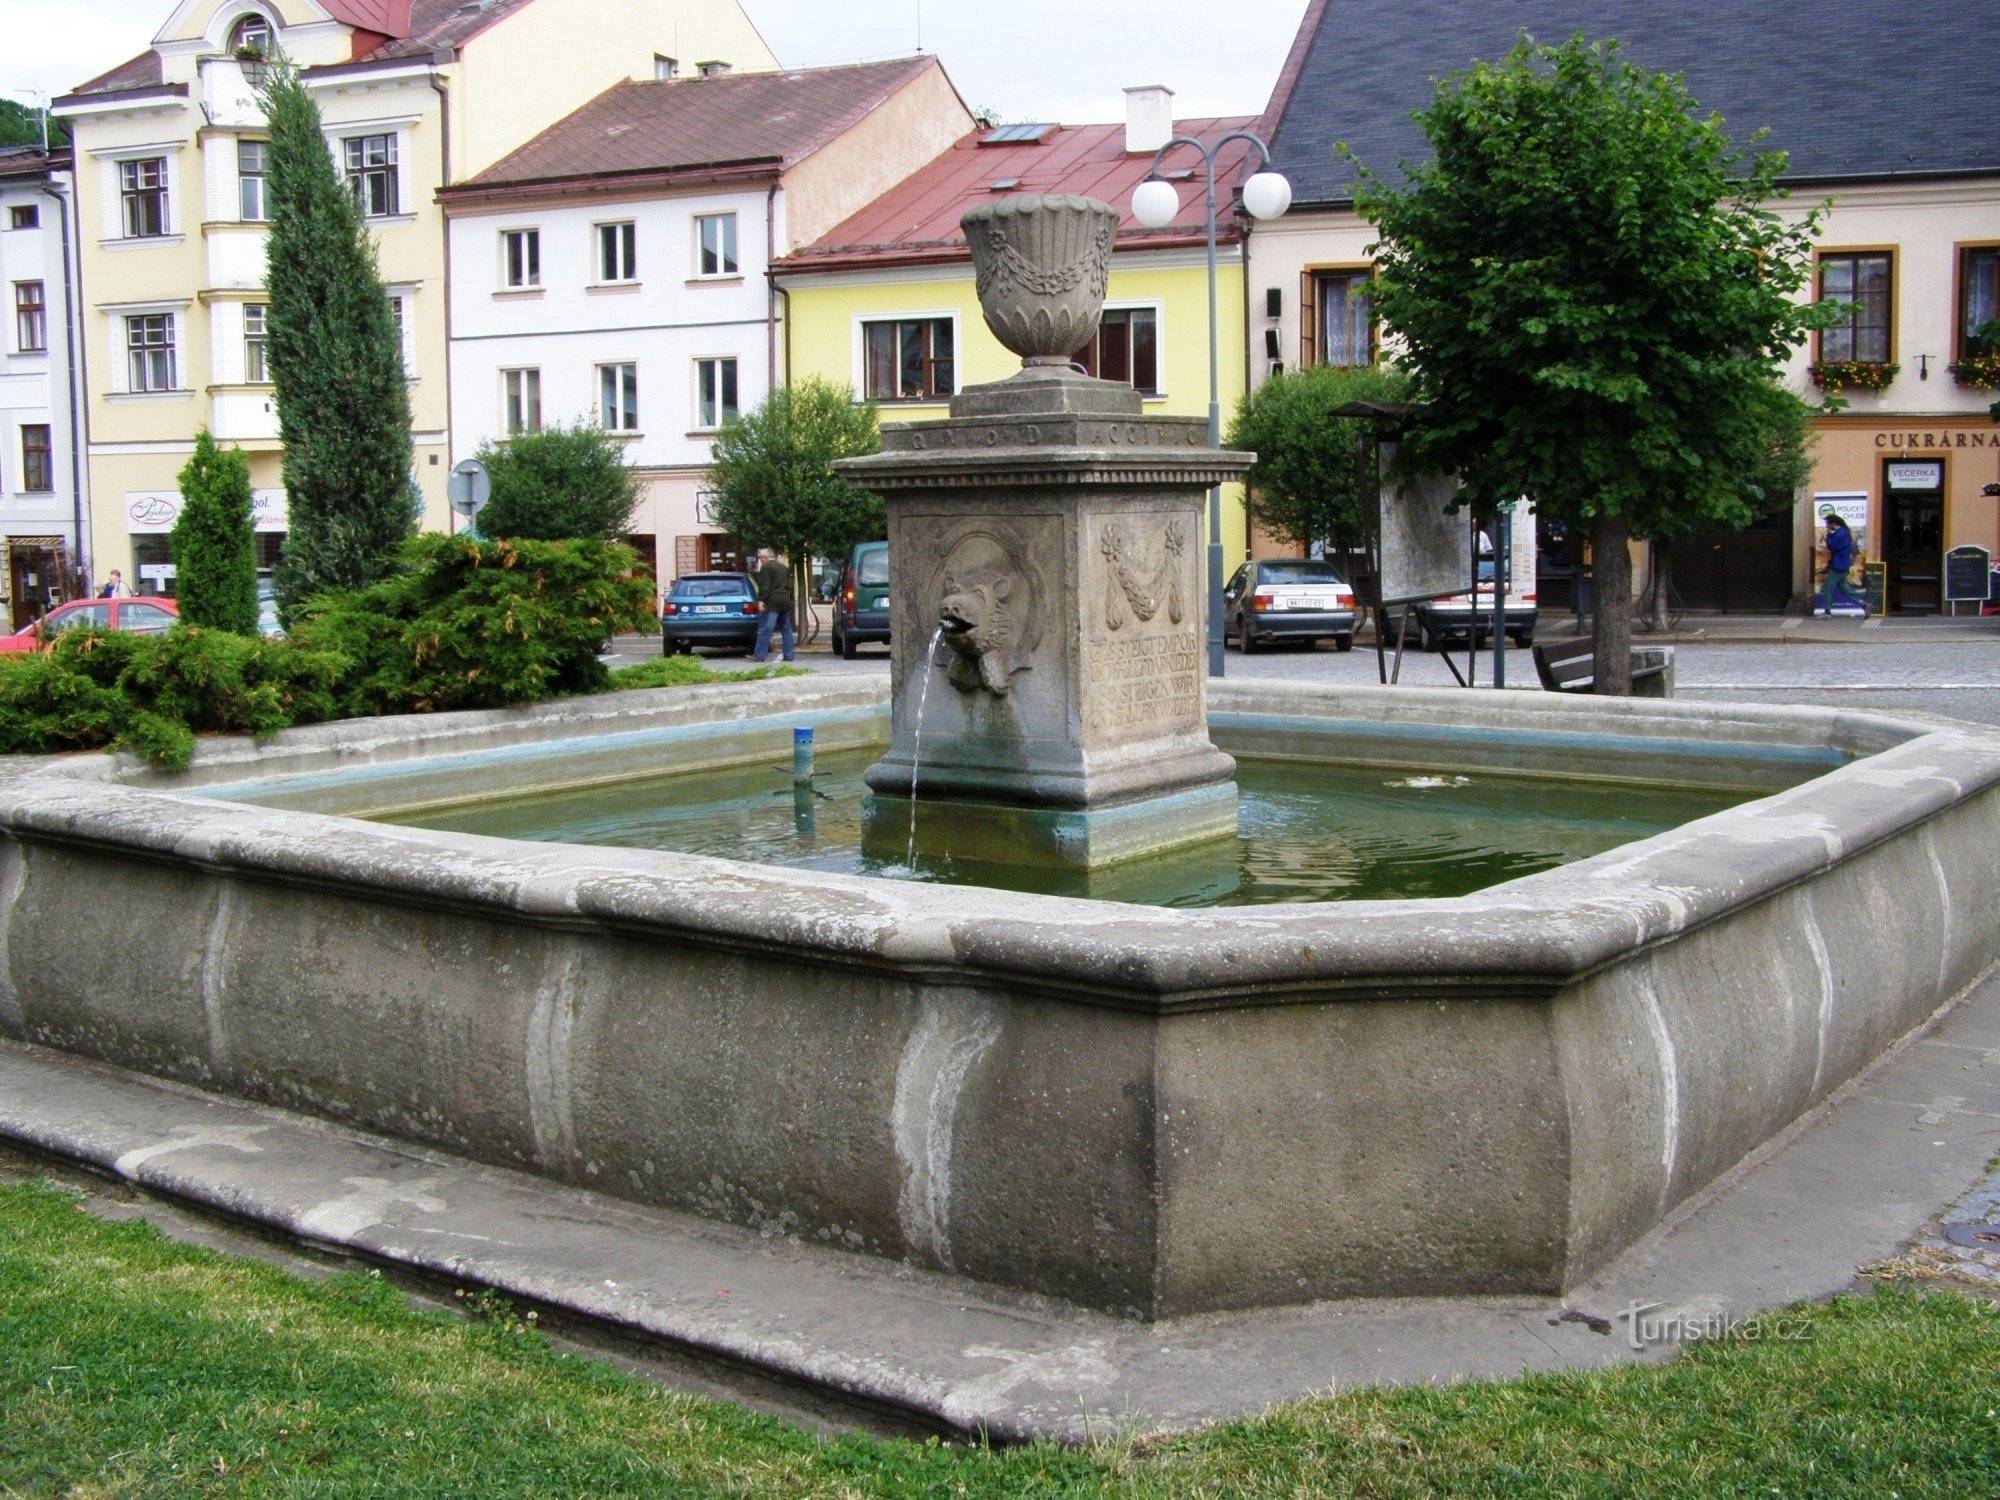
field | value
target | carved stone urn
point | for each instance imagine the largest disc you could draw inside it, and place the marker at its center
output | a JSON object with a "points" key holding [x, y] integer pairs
{"points": [[1043, 263]]}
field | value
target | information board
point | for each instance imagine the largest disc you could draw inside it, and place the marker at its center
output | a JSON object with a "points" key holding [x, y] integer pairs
{"points": [[1426, 546], [1968, 574]]}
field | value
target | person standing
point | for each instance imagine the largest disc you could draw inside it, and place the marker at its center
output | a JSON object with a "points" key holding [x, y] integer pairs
{"points": [[774, 589], [114, 587], [1839, 559]]}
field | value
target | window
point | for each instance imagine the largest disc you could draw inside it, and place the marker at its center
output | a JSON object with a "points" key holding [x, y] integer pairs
{"points": [[250, 181], [1126, 349], [1978, 297], [1861, 281], [1341, 319], [31, 317], [520, 259], [24, 216], [617, 252], [714, 392], [909, 360], [715, 239], [142, 190], [524, 400], [38, 470], [255, 371], [371, 174], [251, 35], [149, 352], [618, 397], [152, 551], [78, 617], [146, 619], [399, 315]]}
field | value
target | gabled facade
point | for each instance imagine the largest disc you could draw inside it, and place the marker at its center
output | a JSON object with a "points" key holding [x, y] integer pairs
{"points": [[41, 496], [615, 268], [415, 95], [1909, 160], [885, 302]]}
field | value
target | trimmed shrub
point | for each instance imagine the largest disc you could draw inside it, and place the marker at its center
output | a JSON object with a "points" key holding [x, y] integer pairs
{"points": [[558, 484]]}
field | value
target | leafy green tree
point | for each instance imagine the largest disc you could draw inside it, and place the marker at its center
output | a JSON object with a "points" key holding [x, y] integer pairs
{"points": [[1308, 484], [772, 472], [21, 125], [214, 541], [336, 360], [1595, 303], [560, 483]]}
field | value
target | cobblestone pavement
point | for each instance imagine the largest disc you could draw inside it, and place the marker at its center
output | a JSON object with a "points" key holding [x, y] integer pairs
{"points": [[1957, 679]]}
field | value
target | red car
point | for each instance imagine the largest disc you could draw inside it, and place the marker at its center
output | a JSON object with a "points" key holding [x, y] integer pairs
{"points": [[147, 615]]}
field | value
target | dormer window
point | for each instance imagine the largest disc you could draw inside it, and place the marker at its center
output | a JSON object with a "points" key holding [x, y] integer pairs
{"points": [[250, 37]]}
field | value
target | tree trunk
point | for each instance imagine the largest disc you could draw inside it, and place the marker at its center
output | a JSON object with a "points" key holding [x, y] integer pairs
{"points": [[1663, 582], [1611, 579]]}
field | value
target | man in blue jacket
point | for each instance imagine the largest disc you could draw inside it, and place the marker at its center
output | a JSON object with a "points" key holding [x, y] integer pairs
{"points": [[1839, 558]]}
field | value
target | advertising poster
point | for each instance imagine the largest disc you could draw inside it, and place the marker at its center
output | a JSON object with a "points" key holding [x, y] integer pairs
{"points": [[1852, 507]]}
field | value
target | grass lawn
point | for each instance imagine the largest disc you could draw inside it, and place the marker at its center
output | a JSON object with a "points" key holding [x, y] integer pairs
{"points": [[132, 1365], [688, 671]]}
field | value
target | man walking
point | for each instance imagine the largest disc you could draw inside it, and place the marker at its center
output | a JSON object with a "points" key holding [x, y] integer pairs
{"points": [[1839, 558], [774, 588]]}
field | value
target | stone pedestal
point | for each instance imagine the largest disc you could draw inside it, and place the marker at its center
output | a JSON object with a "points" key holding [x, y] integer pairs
{"points": [[1048, 625]]}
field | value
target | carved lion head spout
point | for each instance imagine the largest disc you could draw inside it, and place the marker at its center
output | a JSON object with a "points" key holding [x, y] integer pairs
{"points": [[987, 610]]}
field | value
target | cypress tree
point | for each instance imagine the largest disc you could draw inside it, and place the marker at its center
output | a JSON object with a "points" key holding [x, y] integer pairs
{"points": [[215, 548], [336, 361]]}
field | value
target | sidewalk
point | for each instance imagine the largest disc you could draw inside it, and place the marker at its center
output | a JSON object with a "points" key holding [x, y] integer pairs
{"points": [[1855, 1182]]}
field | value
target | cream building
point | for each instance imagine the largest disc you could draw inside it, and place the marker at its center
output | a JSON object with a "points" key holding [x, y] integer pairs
{"points": [[1911, 243], [169, 149]]}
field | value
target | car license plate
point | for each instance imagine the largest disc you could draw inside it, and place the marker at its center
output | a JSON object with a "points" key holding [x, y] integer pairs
{"points": [[1301, 601], [711, 609]]}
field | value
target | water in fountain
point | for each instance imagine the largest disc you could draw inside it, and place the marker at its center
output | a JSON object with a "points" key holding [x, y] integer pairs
{"points": [[917, 738]]}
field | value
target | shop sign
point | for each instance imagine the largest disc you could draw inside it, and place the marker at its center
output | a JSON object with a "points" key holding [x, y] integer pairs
{"points": [[1924, 476], [151, 512], [267, 510], [1957, 438]]}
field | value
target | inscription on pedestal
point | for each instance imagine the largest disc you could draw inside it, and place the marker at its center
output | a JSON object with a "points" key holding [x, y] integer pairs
{"points": [[1144, 651]]}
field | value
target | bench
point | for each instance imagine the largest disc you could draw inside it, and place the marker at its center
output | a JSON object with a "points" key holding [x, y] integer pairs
{"points": [[1569, 667]]}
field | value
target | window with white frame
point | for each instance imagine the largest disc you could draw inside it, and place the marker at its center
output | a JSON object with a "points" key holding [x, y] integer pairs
{"points": [[250, 201], [149, 352], [715, 245], [142, 197], [370, 162], [256, 370], [1126, 348], [618, 252], [908, 359], [31, 317], [714, 392], [523, 400], [24, 216], [520, 259], [618, 397], [250, 37]]}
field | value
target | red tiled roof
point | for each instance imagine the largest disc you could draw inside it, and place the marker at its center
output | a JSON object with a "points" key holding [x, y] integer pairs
{"points": [[689, 124], [916, 221], [385, 17]]}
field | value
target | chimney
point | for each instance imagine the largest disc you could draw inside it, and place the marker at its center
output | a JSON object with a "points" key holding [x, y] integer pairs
{"points": [[1149, 118]]}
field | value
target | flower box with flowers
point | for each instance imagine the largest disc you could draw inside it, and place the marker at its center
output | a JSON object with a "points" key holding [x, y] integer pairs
{"points": [[1978, 372], [1853, 374]]}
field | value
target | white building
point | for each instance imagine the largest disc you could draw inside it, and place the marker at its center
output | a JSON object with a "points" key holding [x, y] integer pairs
{"points": [[615, 267], [42, 513]]}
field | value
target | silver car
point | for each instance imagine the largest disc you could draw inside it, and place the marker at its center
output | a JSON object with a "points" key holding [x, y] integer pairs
{"points": [[1288, 599]]}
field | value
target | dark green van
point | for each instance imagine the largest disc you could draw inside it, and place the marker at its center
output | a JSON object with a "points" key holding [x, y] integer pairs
{"points": [[861, 603]]}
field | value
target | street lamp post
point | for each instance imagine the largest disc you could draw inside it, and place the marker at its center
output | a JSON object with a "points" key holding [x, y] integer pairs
{"points": [[1154, 204]]}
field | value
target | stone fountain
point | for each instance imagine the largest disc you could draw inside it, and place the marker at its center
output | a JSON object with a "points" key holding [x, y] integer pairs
{"points": [[1049, 674]]}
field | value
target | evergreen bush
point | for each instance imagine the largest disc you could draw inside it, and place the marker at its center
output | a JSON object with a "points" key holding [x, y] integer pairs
{"points": [[214, 541], [475, 624]]}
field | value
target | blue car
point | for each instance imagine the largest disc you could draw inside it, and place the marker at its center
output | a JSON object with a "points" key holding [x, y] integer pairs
{"points": [[709, 609]]}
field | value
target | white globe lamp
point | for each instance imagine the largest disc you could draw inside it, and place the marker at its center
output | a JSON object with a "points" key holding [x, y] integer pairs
{"points": [[1266, 195], [1155, 203]]}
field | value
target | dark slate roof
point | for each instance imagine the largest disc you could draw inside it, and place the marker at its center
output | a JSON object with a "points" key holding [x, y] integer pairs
{"points": [[31, 162], [1848, 88], [143, 71], [683, 124]]}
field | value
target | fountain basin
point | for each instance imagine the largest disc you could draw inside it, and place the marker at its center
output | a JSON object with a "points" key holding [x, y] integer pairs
{"points": [[1150, 1111]]}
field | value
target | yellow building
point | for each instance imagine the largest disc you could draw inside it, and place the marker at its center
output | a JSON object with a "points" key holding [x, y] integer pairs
{"points": [[885, 302], [170, 159]]}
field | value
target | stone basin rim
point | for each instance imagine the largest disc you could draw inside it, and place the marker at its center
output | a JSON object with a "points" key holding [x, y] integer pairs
{"points": [[1524, 939]]}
